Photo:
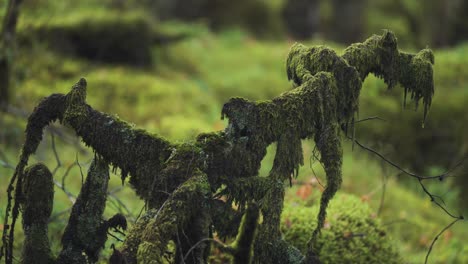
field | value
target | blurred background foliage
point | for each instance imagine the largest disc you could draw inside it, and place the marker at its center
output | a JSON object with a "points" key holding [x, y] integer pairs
{"points": [[169, 65]]}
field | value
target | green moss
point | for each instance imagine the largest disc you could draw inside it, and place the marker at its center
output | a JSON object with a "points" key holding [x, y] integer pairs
{"points": [[351, 234], [380, 55], [416, 76], [377, 55], [178, 212], [86, 231], [38, 188], [303, 63], [75, 112], [133, 239]]}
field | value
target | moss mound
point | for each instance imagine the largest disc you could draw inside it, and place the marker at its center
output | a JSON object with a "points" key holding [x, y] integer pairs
{"points": [[350, 235], [114, 37]]}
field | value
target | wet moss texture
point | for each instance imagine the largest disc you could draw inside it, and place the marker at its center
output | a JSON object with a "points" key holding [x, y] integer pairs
{"points": [[190, 188]]}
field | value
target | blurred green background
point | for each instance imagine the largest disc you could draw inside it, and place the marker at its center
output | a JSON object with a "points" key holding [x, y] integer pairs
{"points": [[169, 65]]}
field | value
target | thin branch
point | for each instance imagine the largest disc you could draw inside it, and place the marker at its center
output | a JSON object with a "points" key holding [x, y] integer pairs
{"points": [[81, 170], [223, 247], [432, 197], [180, 246], [369, 118], [115, 237], [4, 161], [141, 211], [437, 237], [314, 157], [115, 190], [382, 197], [59, 131], [57, 215], [121, 204], [420, 178], [436, 202], [70, 195], [54, 149], [414, 175], [67, 171]]}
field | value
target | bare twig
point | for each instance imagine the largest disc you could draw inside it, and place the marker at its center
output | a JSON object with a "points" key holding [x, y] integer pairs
{"points": [[382, 196], [180, 246], [414, 175], [67, 171], [369, 118], [70, 195], [57, 215], [432, 197], [424, 188], [54, 149], [4, 161], [81, 170], [121, 205], [314, 157], [438, 235], [221, 245], [115, 237]]}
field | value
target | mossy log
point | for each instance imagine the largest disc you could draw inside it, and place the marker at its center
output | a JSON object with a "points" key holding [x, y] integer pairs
{"points": [[182, 184]]}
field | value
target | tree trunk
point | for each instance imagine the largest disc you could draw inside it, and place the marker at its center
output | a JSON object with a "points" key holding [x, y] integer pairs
{"points": [[302, 17], [7, 43], [348, 21]]}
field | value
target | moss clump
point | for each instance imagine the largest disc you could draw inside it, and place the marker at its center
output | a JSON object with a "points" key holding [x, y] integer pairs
{"points": [[420, 65], [351, 234], [380, 55], [115, 37]]}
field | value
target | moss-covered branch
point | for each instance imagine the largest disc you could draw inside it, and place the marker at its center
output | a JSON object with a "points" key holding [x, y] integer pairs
{"points": [[181, 210], [86, 231], [38, 188], [182, 184]]}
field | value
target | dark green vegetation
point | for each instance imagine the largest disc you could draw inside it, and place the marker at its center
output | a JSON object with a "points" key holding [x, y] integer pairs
{"points": [[180, 96]]}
